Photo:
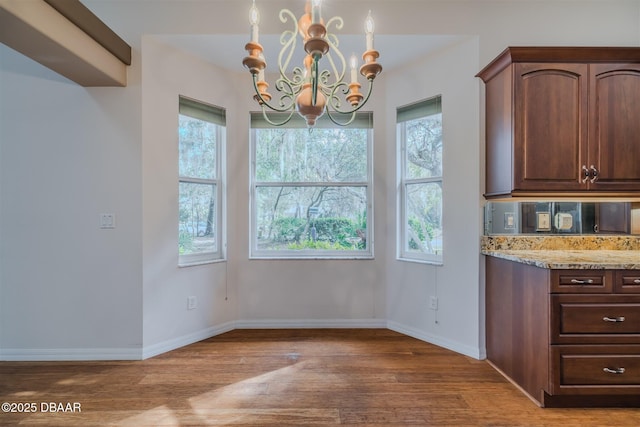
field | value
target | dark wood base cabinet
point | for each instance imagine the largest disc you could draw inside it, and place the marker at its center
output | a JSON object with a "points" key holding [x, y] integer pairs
{"points": [[567, 338]]}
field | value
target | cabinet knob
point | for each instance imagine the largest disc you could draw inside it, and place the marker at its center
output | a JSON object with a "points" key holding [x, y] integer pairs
{"points": [[617, 371], [585, 173], [619, 319], [594, 174]]}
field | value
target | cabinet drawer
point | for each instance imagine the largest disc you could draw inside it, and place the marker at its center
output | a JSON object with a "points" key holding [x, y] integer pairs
{"points": [[596, 369], [599, 369], [578, 318], [627, 282], [595, 319], [582, 281]]}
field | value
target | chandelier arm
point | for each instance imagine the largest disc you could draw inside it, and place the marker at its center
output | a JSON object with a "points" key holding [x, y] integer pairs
{"points": [[336, 107], [334, 101], [366, 98], [337, 21], [347, 123], [272, 123], [288, 90], [263, 102], [295, 81], [288, 41], [333, 42]]}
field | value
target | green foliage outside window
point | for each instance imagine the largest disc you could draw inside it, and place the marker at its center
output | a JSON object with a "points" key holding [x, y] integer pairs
{"points": [[311, 189], [197, 190], [421, 165]]}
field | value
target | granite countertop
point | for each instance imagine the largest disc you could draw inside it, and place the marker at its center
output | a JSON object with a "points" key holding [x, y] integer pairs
{"points": [[572, 259], [583, 252]]}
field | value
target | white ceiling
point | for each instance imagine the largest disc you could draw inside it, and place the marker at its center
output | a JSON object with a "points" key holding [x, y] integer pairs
{"points": [[227, 51]]}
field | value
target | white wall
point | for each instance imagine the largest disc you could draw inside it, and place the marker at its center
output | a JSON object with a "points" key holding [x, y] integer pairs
{"points": [[502, 23], [166, 74], [299, 293], [71, 290], [455, 283]]}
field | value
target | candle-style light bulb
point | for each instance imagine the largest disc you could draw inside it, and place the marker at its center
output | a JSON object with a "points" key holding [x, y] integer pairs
{"points": [[368, 31], [315, 11], [254, 20], [353, 62]]}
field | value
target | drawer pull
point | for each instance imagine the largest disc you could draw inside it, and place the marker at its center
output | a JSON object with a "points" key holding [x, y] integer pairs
{"points": [[617, 371], [582, 282], [636, 281], [613, 319]]}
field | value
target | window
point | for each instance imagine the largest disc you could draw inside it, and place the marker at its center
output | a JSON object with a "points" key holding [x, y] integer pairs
{"points": [[201, 139], [419, 130], [311, 192]]}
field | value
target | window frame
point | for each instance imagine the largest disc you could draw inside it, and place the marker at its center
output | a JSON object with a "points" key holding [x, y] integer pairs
{"points": [[421, 109], [203, 111], [257, 122]]}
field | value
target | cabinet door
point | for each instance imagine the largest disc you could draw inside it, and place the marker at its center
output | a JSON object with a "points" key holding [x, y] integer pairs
{"points": [[550, 126], [614, 126]]}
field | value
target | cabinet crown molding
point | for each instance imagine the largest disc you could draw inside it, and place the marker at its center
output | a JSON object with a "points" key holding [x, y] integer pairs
{"points": [[563, 54]]}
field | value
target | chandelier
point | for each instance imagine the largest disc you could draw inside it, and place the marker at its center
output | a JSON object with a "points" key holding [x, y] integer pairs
{"points": [[311, 90]]}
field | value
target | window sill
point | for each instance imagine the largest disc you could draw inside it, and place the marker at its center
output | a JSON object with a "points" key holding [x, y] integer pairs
{"points": [[203, 262], [315, 258], [421, 261]]}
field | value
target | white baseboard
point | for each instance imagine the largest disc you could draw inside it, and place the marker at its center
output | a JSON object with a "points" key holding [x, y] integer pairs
{"points": [[310, 323], [175, 343], [69, 354], [470, 351], [87, 354]]}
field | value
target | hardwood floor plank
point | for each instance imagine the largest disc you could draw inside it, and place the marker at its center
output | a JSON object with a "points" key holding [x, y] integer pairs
{"points": [[319, 377]]}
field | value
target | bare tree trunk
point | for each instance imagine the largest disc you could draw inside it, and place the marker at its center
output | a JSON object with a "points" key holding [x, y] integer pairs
{"points": [[212, 204]]}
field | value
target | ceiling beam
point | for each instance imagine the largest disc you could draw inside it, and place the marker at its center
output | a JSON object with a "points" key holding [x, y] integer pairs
{"points": [[38, 30]]}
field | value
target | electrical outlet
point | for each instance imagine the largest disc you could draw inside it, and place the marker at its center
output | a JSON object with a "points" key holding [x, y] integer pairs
{"points": [[192, 303], [433, 302]]}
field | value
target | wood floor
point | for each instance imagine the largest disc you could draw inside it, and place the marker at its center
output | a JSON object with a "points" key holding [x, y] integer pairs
{"points": [[294, 377]]}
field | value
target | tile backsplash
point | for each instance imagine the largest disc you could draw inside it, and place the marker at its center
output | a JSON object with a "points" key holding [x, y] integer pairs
{"points": [[560, 218]]}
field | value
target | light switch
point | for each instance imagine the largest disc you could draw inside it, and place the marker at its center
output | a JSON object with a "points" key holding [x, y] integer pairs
{"points": [[509, 221], [107, 220], [543, 221]]}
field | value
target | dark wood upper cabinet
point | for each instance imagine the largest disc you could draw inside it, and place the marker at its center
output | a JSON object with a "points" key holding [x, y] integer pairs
{"points": [[550, 125], [563, 121], [614, 126]]}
